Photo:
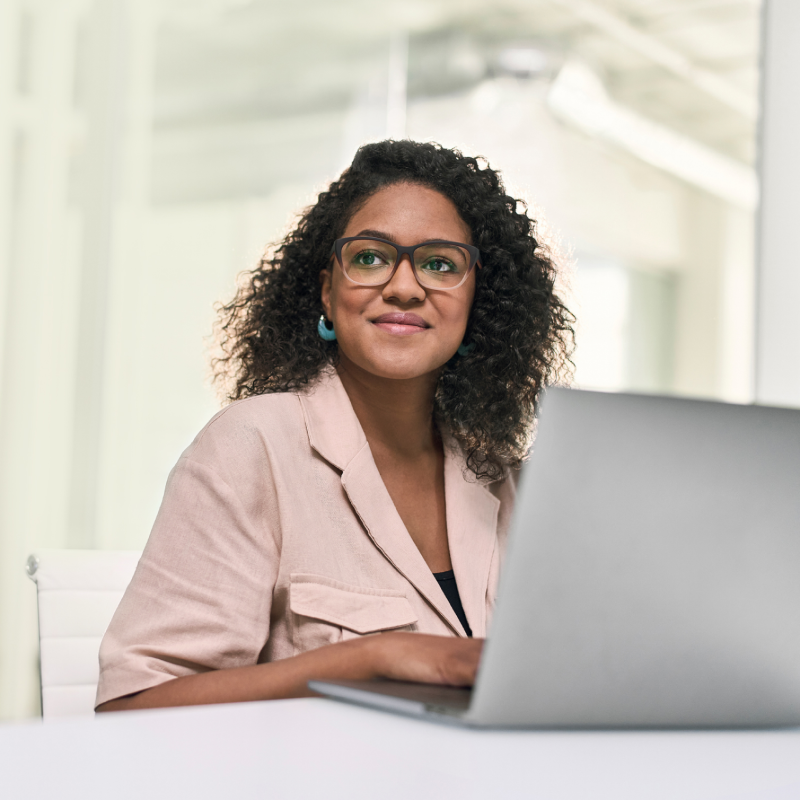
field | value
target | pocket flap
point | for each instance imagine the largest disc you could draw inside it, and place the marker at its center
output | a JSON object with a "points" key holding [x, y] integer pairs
{"points": [[359, 610]]}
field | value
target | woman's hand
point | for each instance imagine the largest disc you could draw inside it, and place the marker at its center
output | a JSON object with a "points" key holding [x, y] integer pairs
{"points": [[424, 658]]}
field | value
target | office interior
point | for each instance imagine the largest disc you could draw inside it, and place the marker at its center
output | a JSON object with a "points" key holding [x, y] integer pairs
{"points": [[150, 150]]}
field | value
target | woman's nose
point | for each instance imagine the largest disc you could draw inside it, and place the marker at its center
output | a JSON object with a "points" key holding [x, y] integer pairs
{"points": [[404, 285]]}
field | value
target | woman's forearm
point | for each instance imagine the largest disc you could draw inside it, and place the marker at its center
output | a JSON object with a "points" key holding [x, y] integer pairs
{"points": [[402, 656], [276, 680]]}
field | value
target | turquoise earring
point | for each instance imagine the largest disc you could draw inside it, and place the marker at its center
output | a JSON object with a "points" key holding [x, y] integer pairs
{"points": [[465, 349], [326, 333]]}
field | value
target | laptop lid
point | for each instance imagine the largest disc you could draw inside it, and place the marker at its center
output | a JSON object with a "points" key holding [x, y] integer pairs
{"points": [[653, 572]]}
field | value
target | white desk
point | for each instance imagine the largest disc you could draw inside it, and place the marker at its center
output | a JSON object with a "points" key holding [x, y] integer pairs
{"points": [[321, 749]]}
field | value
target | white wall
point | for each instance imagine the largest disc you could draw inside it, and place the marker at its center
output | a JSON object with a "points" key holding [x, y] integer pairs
{"points": [[39, 267], [778, 326]]}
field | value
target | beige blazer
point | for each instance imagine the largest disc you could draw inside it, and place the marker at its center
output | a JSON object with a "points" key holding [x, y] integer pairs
{"points": [[276, 535]]}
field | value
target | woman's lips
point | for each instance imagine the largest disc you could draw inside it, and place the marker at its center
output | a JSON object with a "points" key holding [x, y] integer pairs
{"points": [[401, 324]]}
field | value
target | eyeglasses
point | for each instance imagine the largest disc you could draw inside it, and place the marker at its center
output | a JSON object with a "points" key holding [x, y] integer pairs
{"points": [[441, 265]]}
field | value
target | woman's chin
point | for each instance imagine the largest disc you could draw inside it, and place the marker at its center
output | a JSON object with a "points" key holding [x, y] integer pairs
{"points": [[405, 367], [401, 360]]}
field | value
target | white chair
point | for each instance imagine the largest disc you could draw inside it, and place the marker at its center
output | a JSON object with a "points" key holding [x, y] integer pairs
{"points": [[78, 592]]}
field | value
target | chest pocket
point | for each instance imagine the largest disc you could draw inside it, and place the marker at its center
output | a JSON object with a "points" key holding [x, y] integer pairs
{"points": [[325, 611]]}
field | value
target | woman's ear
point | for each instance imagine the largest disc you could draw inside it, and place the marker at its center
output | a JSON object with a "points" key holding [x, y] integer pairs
{"points": [[325, 279]]}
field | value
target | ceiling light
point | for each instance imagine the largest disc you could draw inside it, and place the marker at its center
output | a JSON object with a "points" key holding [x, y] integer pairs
{"points": [[579, 98], [522, 61]]}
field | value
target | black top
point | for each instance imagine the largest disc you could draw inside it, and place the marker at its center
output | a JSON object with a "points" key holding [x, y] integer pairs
{"points": [[447, 582]]}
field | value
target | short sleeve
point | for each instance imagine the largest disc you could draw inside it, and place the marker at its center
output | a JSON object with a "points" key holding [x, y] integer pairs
{"points": [[201, 596]]}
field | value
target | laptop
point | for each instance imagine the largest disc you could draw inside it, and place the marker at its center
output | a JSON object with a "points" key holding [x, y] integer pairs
{"points": [[652, 578]]}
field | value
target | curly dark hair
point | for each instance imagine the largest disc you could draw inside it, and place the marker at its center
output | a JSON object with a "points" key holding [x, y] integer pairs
{"points": [[521, 329]]}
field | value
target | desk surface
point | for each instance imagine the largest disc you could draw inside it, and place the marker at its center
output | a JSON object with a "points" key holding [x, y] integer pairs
{"points": [[320, 748]]}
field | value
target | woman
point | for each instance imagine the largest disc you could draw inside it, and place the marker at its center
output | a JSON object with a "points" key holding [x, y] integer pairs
{"points": [[385, 366]]}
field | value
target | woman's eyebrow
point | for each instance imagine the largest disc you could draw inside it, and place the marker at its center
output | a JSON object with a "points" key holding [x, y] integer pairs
{"points": [[384, 235], [377, 234]]}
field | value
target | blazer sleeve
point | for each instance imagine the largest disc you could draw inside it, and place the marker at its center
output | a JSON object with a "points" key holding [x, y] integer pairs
{"points": [[201, 596]]}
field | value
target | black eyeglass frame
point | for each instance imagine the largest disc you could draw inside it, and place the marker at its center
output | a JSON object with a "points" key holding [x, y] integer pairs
{"points": [[474, 259]]}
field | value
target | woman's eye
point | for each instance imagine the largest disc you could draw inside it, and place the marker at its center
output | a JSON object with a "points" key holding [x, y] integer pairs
{"points": [[439, 265], [367, 259]]}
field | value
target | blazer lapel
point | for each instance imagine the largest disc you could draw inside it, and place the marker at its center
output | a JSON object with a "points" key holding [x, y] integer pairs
{"points": [[336, 434], [472, 534], [371, 501], [333, 427]]}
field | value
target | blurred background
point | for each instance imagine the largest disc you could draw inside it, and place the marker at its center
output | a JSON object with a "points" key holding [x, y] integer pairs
{"points": [[150, 149]]}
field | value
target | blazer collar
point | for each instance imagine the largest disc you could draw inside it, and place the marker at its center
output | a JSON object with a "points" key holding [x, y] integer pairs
{"points": [[471, 509], [333, 427]]}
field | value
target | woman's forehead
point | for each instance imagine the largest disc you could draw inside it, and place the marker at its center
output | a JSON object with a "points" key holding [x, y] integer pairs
{"points": [[409, 213]]}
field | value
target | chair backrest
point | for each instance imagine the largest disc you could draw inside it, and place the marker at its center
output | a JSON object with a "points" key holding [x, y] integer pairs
{"points": [[78, 592]]}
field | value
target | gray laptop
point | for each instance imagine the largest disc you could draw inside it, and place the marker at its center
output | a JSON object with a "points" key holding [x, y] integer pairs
{"points": [[652, 578]]}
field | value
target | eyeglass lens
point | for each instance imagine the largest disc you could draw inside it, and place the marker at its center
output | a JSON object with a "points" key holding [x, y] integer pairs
{"points": [[438, 266]]}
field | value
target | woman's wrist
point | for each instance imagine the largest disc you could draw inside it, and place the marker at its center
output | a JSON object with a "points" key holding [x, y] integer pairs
{"points": [[370, 655]]}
